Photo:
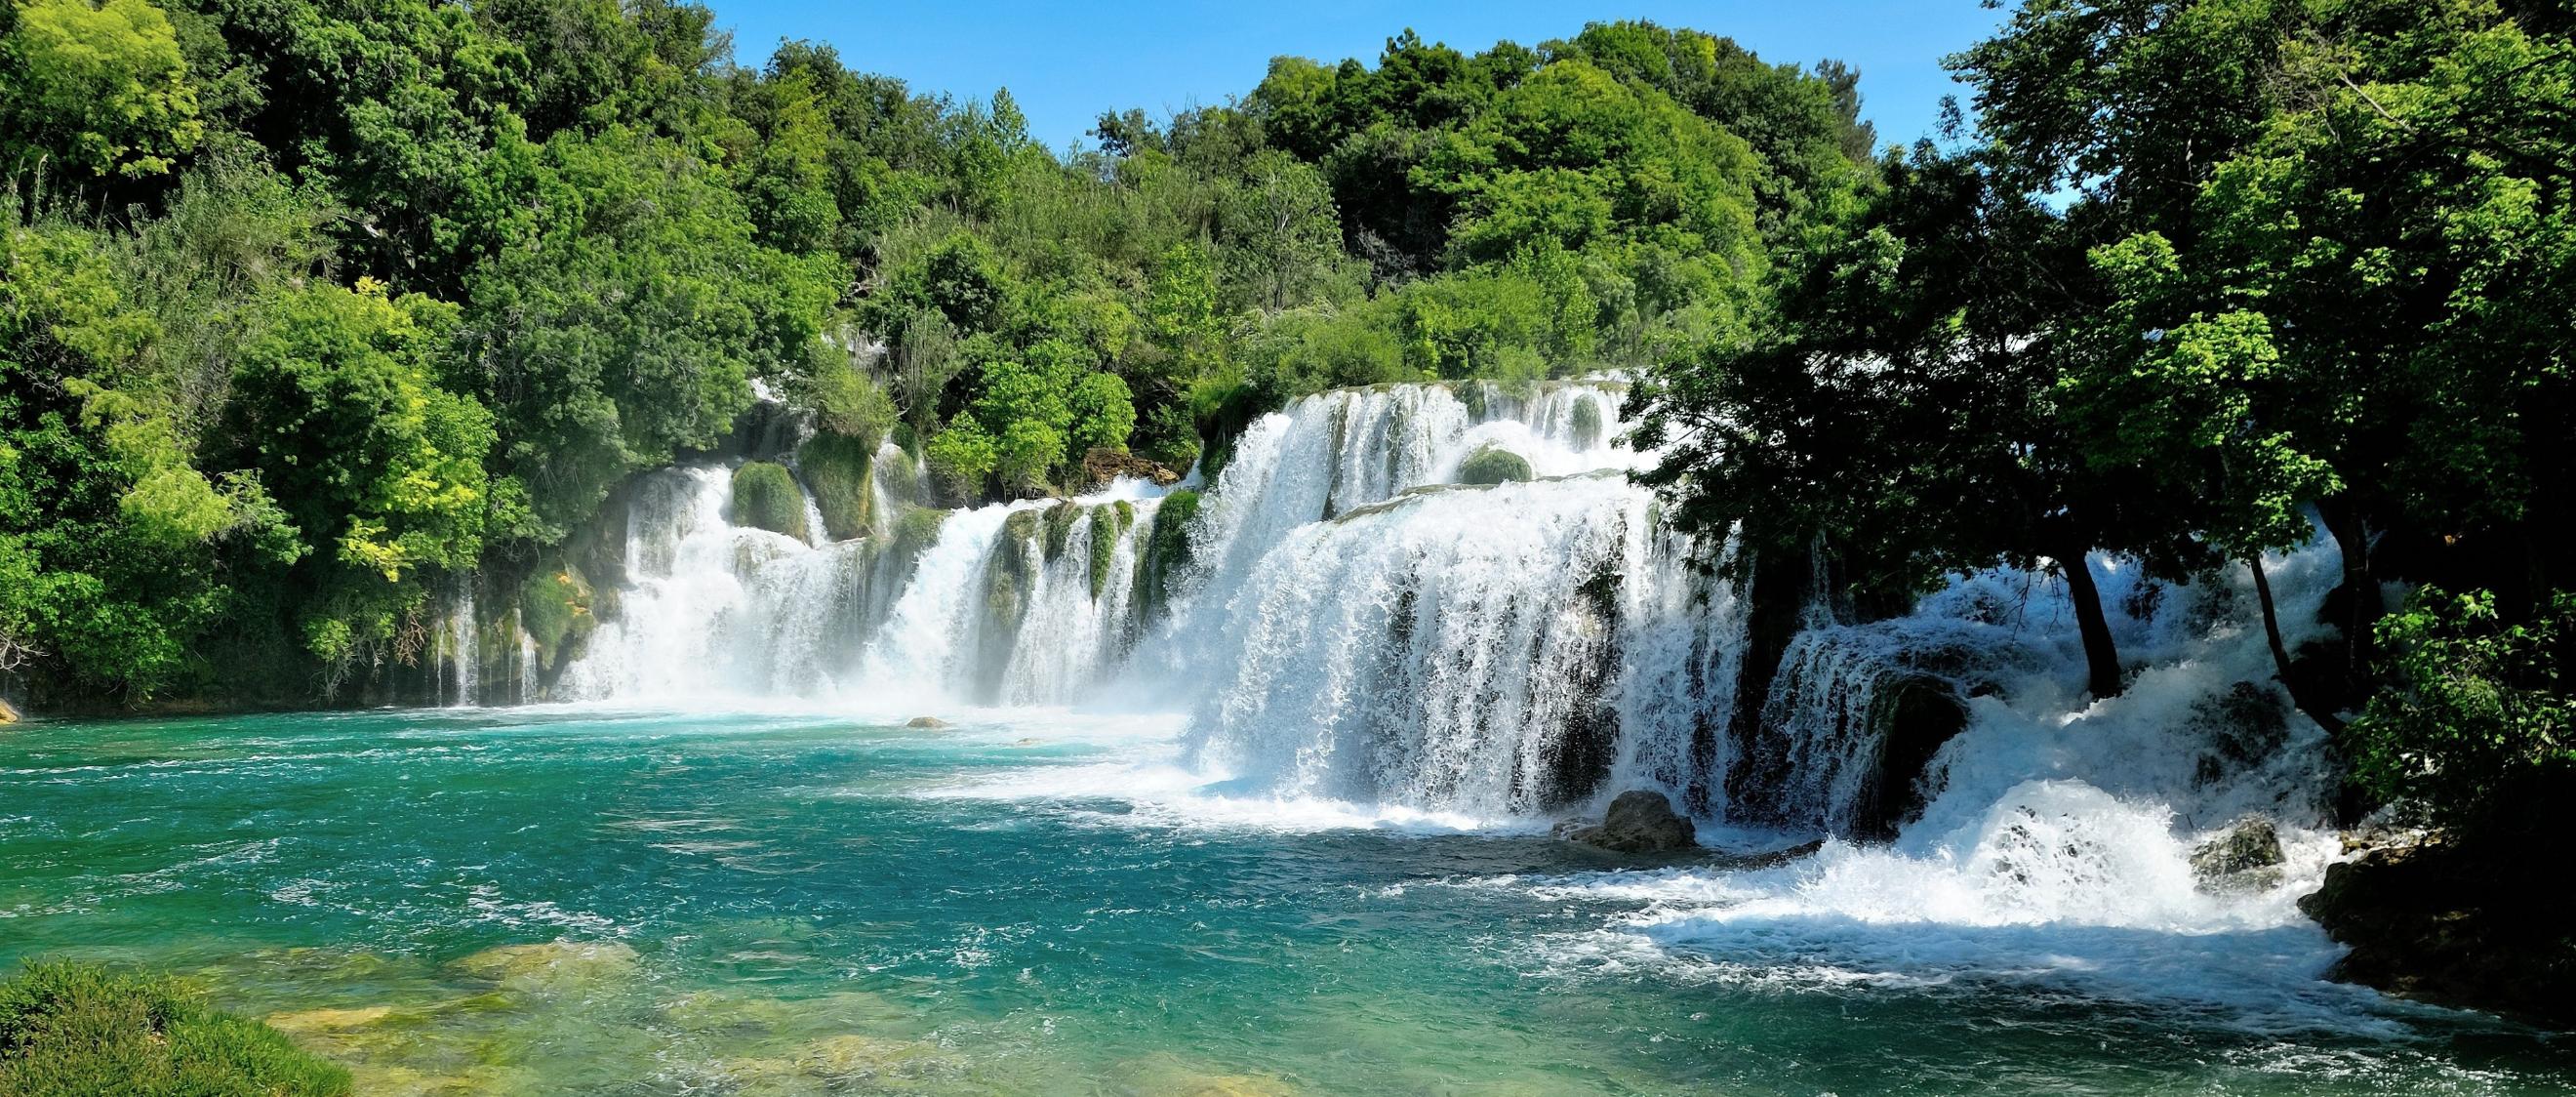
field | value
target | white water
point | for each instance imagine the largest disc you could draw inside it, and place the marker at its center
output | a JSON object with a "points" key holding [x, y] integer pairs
{"points": [[1354, 644]]}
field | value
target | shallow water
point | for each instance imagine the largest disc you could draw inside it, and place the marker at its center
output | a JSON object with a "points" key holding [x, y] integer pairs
{"points": [[1037, 902]]}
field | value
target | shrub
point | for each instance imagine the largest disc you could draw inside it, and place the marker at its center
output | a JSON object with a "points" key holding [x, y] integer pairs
{"points": [[765, 496], [2474, 719], [75, 1030]]}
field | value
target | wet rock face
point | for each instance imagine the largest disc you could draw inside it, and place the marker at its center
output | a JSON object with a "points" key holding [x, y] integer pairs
{"points": [[1639, 821], [2247, 857], [2481, 930], [1103, 465]]}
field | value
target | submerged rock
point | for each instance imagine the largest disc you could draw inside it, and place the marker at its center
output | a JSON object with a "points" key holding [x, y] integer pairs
{"points": [[554, 965], [841, 1064], [1639, 821], [2247, 857], [1167, 1075], [327, 1020], [927, 722]]}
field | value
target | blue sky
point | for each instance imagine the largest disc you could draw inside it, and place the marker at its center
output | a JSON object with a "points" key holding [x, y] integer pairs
{"points": [[1065, 63]]}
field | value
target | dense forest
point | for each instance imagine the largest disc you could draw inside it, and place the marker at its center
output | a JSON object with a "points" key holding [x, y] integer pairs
{"points": [[310, 306]]}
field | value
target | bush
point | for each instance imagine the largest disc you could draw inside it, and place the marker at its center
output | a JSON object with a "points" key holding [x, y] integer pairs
{"points": [[77, 1030], [1493, 465], [765, 496], [2475, 719]]}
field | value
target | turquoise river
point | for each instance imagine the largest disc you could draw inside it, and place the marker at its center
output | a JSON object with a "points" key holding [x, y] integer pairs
{"points": [[568, 899]]}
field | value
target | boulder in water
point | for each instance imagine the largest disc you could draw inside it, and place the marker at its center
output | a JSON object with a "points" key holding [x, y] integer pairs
{"points": [[931, 722], [7, 715], [1493, 465], [2458, 925], [1640, 821], [1103, 465], [2246, 857]]}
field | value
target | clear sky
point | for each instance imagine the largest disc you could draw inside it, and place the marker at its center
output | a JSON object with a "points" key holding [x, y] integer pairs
{"points": [[1067, 62]]}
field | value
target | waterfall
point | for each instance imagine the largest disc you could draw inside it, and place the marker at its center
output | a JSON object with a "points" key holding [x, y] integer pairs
{"points": [[1486, 651], [452, 666], [1341, 621]]}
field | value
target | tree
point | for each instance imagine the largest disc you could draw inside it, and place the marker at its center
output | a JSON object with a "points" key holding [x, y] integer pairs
{"points": [[337, 408], [1284, 232], [93, 91]]}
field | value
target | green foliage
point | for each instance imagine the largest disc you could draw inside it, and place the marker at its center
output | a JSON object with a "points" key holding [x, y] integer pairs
{"points": [[93, 90], [628, 327], [307, 304], [555, 610], [74, 1030], [765, 496], [2477, 721], [1493, 465]]}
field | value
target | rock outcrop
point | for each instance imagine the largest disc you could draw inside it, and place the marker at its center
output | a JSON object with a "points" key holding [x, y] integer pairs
{"points": [[765, 496], [2457, 927], [2245, 857], [8, 715], [930, 722], [1103, 465], [1639, 821]]}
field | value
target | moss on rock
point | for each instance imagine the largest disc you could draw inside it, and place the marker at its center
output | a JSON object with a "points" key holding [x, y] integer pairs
{"points": [[1059, 527], [1587, 421], [1108, 524], [1493, 465], [555, 609], [765, 496], [840, 471], [1012, 568], [1167, 548], [899, 473], [77, 1029]]}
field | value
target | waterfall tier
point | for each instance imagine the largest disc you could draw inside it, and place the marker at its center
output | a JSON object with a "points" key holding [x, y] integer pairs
{"points": [[1344, 622]]}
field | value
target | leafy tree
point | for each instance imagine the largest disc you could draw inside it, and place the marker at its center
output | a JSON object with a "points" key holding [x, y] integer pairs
{"points": [[2478, 721], [93, 90], [337, 408]]}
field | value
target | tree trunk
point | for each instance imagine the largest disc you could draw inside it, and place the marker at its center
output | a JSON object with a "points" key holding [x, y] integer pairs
{"points": [[2291, 680], [2101, 653], [2361, 590]]}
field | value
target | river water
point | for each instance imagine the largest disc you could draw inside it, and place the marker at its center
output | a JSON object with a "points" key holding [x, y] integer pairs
{"points": [[1041, 901]]}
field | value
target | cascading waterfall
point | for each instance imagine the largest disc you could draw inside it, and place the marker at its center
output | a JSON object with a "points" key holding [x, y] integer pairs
{"points": [[1351, 626], [1484, 651], [1354, 638]]}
